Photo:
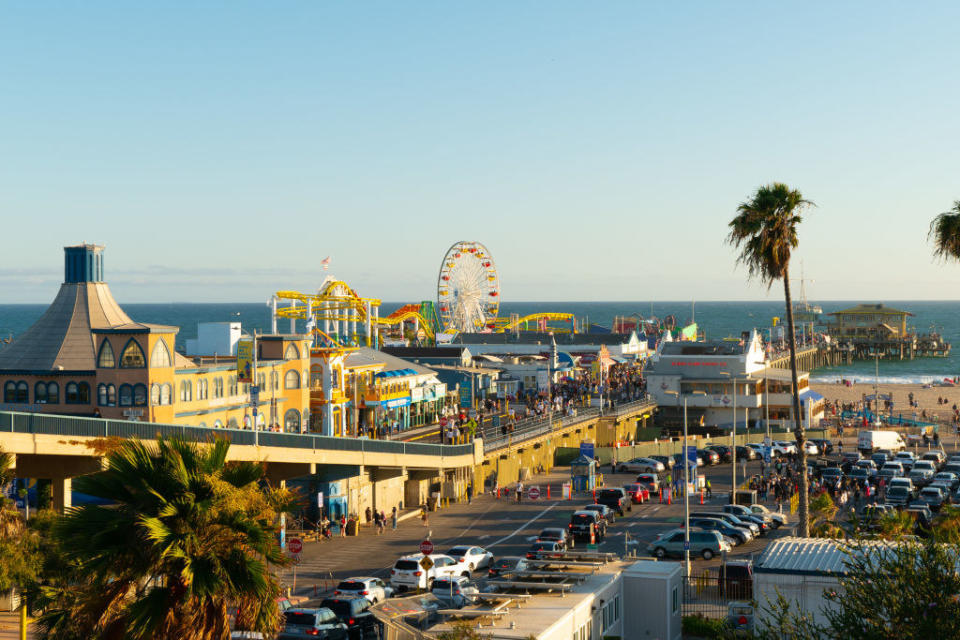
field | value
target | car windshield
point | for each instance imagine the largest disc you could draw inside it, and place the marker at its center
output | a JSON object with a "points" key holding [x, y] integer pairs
{"points": [[581, 518], [406, 565], [540, 546], [898, 490], [458, 551], [301, 619], [443, 585]]}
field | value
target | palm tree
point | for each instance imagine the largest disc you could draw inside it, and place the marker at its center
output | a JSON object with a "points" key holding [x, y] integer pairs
{"points": [[945, 233], [185, 536], [765, 232]]}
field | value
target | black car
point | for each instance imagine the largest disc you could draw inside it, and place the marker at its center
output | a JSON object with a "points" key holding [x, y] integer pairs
{"points": [[746, 453], [667, 461], [355, 613], [507, 565], [721, 450], [616, 499], [714, 524]]}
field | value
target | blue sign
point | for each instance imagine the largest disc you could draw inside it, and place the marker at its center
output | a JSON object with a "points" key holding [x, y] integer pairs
{"points": [[766, 453], [692, 456], [686, 546], [586, 449], [255, 394], [466, 399]]}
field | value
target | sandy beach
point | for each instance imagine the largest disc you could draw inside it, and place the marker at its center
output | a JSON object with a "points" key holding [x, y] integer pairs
{"points": [[927, 397]]}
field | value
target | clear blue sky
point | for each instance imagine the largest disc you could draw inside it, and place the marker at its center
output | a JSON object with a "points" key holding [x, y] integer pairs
{"points": [[220, 150]]}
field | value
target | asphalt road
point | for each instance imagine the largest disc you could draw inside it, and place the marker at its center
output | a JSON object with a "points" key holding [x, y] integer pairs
{"points": [[505, 528]]}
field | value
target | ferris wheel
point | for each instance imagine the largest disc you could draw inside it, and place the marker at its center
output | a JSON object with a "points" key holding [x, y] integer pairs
{"points": [[468, 289]]}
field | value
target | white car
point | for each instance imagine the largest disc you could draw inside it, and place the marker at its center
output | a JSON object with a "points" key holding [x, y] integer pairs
{"points": [[641, 465], [778, 518], [811, 448], [455, 591], [408, 573], [783, 448], [473, 557], [373, 589]]}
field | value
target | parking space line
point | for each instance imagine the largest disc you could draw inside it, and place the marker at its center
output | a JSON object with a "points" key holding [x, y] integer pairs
{"points": [[522, 527]]}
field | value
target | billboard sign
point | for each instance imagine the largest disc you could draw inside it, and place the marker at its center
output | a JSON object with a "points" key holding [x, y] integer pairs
{"points": [[245, 361]]}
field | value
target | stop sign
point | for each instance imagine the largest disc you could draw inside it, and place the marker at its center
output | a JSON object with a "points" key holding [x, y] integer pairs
{"points": [[295, 545], [534, 493], [426, 547]]}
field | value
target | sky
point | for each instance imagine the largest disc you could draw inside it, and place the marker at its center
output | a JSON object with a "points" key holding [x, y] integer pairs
{"points": [[220, 150]]}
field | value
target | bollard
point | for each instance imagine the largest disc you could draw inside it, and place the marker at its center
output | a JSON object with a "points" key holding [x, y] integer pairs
{"points": [[548, 492], [498, 492], [594, 496], [701, 496], [669, 496], [661, 495]]}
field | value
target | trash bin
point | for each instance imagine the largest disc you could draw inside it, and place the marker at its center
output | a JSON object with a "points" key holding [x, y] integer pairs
{"points": [[746, 497], [432, 503]]}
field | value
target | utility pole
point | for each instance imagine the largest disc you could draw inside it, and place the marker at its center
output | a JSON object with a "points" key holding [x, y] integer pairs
{"points": [[686, 494], [733, 448], [255, 391]]}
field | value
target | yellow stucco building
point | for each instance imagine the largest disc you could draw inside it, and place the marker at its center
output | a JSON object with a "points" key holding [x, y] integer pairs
{"points": [[85, 356]]}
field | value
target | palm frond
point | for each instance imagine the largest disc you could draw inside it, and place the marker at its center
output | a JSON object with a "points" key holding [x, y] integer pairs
{"points": [[945, 234]]}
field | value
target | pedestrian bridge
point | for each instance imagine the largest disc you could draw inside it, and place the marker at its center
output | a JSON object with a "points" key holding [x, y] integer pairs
{"points": [[62, 447]]}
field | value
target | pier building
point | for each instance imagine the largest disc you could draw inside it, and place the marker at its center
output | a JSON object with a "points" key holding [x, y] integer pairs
{"points": [[86, 357], [709, 374]]}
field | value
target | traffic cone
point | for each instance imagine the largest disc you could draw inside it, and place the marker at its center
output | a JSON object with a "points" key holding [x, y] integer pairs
{"points": [[661, 495], [669, 496], [594, 496], [701, 496], [548, 492], [498, 492]]}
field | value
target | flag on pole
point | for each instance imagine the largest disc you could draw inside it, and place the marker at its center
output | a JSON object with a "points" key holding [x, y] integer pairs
{"points": [[325, 263]]}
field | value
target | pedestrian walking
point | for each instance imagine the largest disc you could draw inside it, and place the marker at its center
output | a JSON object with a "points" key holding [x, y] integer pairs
{"points": [[394, 517], [381, 521], [519, 491], [709, 489], [470, 493], [424, 517], [376, 522], [343, 526]]}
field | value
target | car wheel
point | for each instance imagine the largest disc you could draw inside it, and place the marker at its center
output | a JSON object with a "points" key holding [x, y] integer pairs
{"points": [[707, 554], [623, 469], [465, 574], [471, 566], [660, 553]]}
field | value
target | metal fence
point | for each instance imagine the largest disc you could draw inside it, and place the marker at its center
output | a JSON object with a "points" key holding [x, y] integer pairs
{"points": [[708, 594], [48, 424]]}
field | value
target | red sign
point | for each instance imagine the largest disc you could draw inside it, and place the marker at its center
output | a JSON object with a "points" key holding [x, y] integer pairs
{"points": [[534, 493], [295, 545], [426, 547]]}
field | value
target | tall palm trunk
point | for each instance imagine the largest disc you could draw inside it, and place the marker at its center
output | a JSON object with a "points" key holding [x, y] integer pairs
{"points": [[798, 432]]}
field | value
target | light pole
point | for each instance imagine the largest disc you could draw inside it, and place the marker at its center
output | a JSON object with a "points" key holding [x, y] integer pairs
{"points": [[733, 443], [686, 479]]}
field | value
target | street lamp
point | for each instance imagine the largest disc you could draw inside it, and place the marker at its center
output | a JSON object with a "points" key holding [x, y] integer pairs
{"points": [[733, 442], [686, 478]]}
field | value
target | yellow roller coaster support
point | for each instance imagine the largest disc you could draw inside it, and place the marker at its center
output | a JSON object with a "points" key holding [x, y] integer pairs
{"points": [[508, 325]]}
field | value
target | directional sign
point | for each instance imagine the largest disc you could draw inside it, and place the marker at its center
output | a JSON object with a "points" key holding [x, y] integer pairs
{"points": [[534, 493], [426, 563], [295, 545], [686, 546], [426, 547]]}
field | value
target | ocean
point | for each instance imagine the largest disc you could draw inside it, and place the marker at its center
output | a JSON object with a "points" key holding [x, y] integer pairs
{"points": [[716, 319]]}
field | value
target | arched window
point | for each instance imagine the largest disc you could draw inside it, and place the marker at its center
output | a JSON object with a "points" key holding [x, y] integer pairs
{"points": [[111, 395], [160, 357], [292, 353], [53, 393], [132, 356], [139, 395], [126, 395], [217, 424], [262, 381], [316, 375], [166, 393], [292, 381], [218, 387], [71, 393], [291, 420], [233, 424], [154, 394], [105, 359], [83, 393], [22, 392], [10, 391], [232, 386], [40, 393], [202, 389], [102, 395], [186, 391]]}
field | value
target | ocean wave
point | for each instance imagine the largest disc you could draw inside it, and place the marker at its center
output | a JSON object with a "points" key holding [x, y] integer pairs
{"points": [[867, 379]]}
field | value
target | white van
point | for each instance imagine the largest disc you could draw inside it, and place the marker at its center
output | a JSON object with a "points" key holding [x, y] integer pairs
{"points": [[871, 441]]}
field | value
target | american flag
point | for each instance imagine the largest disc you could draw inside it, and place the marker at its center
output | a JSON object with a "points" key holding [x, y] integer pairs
{"points": [[325, 263]]}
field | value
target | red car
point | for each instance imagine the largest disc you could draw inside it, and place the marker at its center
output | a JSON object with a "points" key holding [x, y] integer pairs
{"points": [[638, 493]]}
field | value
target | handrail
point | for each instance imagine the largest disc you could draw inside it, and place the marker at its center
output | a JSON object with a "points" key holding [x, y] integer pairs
{"points": [[51, 424]]}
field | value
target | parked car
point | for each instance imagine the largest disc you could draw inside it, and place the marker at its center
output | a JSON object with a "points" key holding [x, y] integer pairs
{"points": [[637, 492], [706, 544], [952, 467], [730, 518], [456, 592], [649, 480], [355, 613], [932, 497], [606, 514], [938, 458], [748, 515], [899, 496], [782, 448], [851, 456], [948, 479], [557, 534], [778, 518], [902, 482], [861, 474], [641, 465], [746, 453], [583, 523], [615, 498], [736, 579], [508, 565], [721, 450], [890, 470], [667, 461], [831, 474], [905, 458], [300, 623], [545, 549], [922, 516], [473, 557], [811, 448], [880, 457], [738, 534], [407, 573], [708, 456], [373, 589]]}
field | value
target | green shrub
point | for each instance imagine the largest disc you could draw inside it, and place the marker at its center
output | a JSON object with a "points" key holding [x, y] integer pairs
{"points": [[697, 625]]}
